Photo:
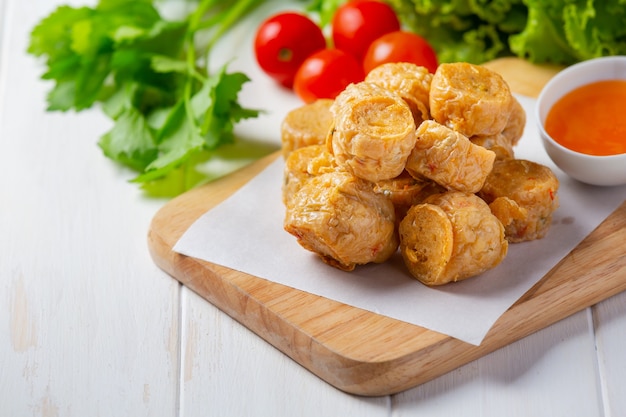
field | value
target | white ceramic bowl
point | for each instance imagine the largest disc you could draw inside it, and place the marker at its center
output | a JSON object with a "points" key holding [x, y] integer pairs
{"points": [[591, 169]]}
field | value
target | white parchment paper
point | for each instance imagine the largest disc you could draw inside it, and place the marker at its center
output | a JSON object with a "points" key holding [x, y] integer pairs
{"points": [[245, 233]]}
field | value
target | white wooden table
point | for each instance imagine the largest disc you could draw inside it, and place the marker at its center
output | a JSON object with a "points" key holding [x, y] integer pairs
{"points": [[89, 326]]}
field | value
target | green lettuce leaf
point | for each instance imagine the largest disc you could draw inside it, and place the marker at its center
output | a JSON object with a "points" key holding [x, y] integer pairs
{"points": [[541, 31], [464, 30]]}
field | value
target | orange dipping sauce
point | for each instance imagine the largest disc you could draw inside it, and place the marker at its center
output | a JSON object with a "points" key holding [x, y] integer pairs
{"points": [[591, 119]]}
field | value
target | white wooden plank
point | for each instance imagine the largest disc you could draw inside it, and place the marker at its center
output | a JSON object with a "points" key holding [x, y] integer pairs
{"points": [[88, 324], [4, 28], [610, 328], [550, 373], [229, 371], [3, 25]]}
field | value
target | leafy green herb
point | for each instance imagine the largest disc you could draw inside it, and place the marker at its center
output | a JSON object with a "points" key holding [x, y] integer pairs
{"points": [[147, 74]]}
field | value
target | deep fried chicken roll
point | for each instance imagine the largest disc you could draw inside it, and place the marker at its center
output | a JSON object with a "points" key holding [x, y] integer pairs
{"points": [[523, 195], [470, 99], [449, 158], [339, 217], [451, 237], [373, 133]]}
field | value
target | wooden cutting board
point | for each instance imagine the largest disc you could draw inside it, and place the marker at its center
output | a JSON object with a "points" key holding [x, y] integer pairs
{"points": [[365, 353]]}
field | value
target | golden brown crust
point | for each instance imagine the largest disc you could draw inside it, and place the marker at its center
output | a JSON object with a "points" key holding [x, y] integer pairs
{"points": [[339, 217], [470, 99], [303, 164], [405, 191], [500, 144], [449, 158], [507, 210], [469, 243], [514, 129], [531, 186], [402, 190], [373, 132], [426, 240], [306, 125], [409, 81]]}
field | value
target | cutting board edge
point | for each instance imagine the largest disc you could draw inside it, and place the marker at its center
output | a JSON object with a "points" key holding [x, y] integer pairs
{"points": [[365, 377]]}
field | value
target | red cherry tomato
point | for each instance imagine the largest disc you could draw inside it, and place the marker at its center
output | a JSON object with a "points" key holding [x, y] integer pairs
{"points": [[283, 42], [400, 47], [325, 74], [358, 23]]}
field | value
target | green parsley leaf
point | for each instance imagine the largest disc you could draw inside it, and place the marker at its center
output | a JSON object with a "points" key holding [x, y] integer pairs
{"points": [[169, 114], [131, 141]]}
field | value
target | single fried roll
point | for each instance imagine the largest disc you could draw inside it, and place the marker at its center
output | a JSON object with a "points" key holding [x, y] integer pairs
{"points": [[523, 195], [470, 99], [339, 217], [450, 237], [409, 81], [449, 158], [306, 125], [373, 132]]}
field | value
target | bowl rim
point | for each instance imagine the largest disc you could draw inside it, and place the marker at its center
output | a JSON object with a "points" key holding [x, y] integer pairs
{"points": [[594, 62]]}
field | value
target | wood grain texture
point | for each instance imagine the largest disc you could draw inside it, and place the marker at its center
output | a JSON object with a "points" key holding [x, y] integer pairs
{"points": [[609, 322], [88, 323], [231, 372], [361, 352]]}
